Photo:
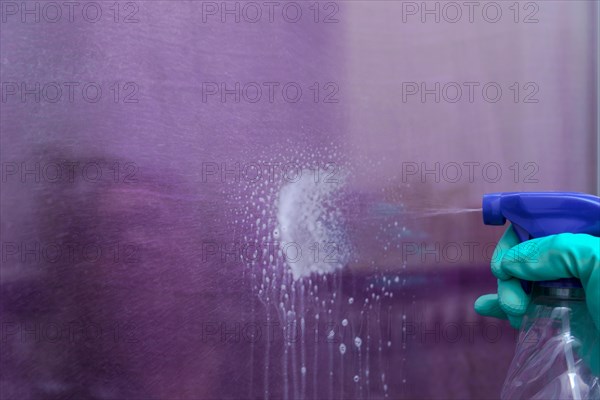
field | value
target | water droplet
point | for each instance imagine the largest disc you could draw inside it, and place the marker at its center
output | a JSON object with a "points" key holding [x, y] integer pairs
{"points": [[357, 342], [351, 300], [344, 322], [303, 370], [389, 343], [342, 348], [356, 378]]}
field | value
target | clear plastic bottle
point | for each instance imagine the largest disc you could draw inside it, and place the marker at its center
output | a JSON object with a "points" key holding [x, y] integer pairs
{"points": [[557, 352]]}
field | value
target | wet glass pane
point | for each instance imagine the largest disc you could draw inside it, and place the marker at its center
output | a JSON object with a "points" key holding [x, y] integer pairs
{"points": [[274, 200]]}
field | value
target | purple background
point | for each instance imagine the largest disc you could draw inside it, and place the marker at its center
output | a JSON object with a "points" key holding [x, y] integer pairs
{"points": [[143, 326]]}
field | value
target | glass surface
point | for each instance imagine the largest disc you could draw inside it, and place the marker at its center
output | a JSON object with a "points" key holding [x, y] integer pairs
{"points": [[197, 204]]}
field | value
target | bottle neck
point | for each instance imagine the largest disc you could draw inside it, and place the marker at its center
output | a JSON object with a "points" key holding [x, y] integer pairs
{"points": [[563, 293]]}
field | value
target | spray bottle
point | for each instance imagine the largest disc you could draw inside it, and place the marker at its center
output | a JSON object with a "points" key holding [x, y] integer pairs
{"points": [[557, 328]]}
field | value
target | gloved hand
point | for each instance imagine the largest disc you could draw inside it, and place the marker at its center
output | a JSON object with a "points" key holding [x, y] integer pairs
{"points": [[552, 257]]}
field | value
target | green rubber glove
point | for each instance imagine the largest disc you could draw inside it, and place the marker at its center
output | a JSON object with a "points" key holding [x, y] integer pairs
{"points": [[565, 255]]}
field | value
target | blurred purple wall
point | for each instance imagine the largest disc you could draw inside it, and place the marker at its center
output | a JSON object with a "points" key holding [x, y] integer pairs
{"points": [[124, 278]]}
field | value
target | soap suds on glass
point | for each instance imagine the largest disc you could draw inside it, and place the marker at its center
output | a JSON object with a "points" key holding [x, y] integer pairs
{"points": [[297, 230], [311, 225]]}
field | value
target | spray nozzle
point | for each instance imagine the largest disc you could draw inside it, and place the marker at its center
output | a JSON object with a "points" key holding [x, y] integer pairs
{"points": [[539, 214], [492, 211]]}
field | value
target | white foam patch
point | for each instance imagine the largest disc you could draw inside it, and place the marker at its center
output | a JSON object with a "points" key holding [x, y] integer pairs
{"points": [[311, 225]]}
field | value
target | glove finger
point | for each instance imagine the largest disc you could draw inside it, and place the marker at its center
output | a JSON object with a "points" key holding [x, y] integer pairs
{"points": [[508, 240], [546, 258], [515, 321], [489, 306], [512, 298]]}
